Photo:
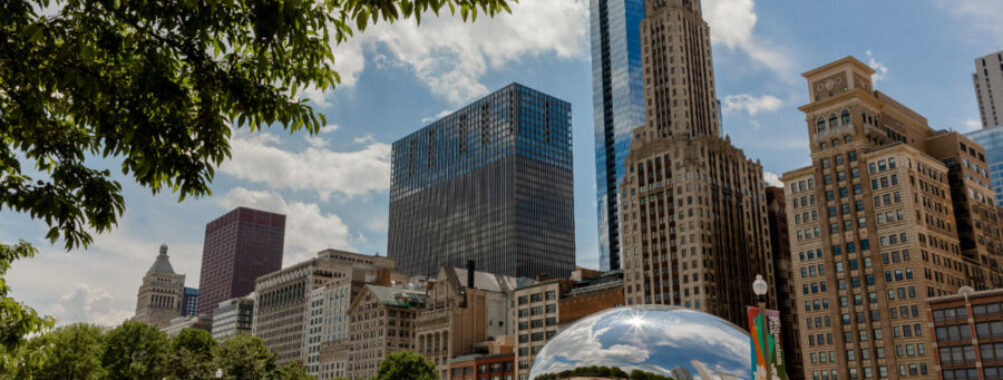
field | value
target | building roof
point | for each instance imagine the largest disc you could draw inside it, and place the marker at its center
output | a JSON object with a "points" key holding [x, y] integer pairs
{"points": [[397, 297], [486, 281], [163, 263], [963, 295]]}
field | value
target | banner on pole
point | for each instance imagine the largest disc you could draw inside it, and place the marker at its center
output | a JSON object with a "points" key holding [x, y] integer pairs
{"points": [[767, 350]]}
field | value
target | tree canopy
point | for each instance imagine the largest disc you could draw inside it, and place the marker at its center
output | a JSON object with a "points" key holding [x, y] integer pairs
{"points": [[155, 88], [406, 365]]}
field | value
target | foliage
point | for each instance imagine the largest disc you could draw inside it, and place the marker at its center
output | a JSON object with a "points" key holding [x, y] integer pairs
{"points": [[605, 373], [135, 350], [406, 365], [16, 319], [245, 357], [292, 371], [192, 355], [69, 352]]}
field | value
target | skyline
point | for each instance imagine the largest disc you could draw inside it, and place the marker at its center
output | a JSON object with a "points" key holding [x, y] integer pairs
{"points": [[330, 184]]}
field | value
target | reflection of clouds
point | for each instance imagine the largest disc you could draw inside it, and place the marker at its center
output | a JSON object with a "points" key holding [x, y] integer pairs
{"points": [[658, 339]]}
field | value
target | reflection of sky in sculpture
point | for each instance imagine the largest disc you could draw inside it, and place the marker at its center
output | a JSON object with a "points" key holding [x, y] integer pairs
{"points": [[670, 341]]}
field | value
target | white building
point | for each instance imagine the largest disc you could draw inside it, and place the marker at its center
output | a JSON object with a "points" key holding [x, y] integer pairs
{"points": [[988, 77]]}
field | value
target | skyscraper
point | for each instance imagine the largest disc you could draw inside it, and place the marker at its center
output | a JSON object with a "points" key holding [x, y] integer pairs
{"points": [[618, 105], [239, 246], [992, 140], [159, 299], [189, 302], [787, 304], [695, 229], [988, 76], [492, 183], [891, 212]]}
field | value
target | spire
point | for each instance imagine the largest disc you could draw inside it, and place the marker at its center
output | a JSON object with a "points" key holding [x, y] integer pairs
{"points": [[163, 263]]}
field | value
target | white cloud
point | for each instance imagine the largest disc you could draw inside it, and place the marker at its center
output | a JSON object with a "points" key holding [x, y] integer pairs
{"points": [[308, 229], [256, 158], [315, 141], [751, 103], [981, 17], [90, 304], [733, 22], [970, 124], [328, 128], [367, 139], [772, 179], [880, 70], [450, 56], [437, 116]]}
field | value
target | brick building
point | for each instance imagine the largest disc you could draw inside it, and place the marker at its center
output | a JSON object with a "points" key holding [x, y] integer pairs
{"points": [[968, 336]]}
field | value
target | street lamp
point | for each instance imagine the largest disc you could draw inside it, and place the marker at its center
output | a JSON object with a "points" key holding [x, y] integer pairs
{"points": [[759, 287], [219, 373]]}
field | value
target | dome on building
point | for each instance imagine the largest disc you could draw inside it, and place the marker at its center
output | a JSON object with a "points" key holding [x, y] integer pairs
{"points": [[659, 340], [163, 264]]}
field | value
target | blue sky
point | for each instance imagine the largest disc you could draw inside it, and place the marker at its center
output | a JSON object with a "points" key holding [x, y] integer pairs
{"points": [[398, 78]]}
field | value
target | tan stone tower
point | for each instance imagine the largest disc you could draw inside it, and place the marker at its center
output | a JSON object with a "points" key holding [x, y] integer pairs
{"points": [[875, 228], [695, 230], [159, 298]]}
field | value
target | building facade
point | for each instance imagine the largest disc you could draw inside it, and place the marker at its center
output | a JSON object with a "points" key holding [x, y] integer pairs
{"points": [[381, 322], [545, 308], [491, 182], [159, 299], [190, 322], [988, 76], [991, 139], [695, 230], [872, 227], [463, 307], [477, 367], [967, 335], [776, 209], [232, 317], [189, 301], [618, 106], [239, 247]]}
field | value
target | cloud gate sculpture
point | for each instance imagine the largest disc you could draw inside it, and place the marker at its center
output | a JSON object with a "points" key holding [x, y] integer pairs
{"points": [[647, 342]]}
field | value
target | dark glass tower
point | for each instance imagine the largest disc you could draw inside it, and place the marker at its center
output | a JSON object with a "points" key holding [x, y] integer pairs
{"points": [[492, 183], [618, 103], [239, 247]]}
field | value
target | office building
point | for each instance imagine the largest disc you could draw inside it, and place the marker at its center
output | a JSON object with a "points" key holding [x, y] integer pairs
{"points": [[382, 321], [463, 307], [159, 299], [333, 360], [991, 139], [618, 106], [233, 317], [695, 231], [988, 76], [477, 367], [873, 227], [201, 322], [967, 339], [783, 269], [189, 301], [545, 308], [239, 247], [491, 182]]}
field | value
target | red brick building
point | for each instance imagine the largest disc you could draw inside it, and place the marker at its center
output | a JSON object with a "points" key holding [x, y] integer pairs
{"points": [[474, 367]]}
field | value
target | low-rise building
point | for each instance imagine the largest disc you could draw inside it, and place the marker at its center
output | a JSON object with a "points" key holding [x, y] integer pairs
{"points": [[477, 366], [201, 322], [464, 307], [381, 321], [967, 336], [232, 317], [545, 308]]}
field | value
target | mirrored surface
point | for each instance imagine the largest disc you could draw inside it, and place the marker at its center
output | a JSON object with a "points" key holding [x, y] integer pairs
{"points": [[660, 340]]}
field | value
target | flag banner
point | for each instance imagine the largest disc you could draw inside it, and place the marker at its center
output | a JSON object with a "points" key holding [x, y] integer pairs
{"points": [[767, 350]]}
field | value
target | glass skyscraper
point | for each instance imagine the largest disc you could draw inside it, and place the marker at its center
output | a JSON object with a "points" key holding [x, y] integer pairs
{"points": [[618, 102], [991, 139], [492, 183]]}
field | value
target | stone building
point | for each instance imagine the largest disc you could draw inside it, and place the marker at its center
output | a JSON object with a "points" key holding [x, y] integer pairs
{"points": [[776, 209], [381, 321], [966, 337], [233, 317], [159, 299], [694, 228], [873, 227], [463, 307], [333, 360], [545, 308]]}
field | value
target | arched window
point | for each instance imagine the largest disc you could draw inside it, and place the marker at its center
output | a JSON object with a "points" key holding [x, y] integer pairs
{"points": [[820, 124], [832, 121], [846, 117]]}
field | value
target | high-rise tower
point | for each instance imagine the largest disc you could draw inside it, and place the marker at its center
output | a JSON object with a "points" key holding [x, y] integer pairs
{"points": [[988, 76], [618, 105], [695, 230], [239, 247]]}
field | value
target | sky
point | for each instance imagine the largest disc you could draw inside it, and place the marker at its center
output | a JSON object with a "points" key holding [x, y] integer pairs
{"points": [[397, 78]]}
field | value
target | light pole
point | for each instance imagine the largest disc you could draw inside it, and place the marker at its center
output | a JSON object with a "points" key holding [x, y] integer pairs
{"points": [[759, 287]]}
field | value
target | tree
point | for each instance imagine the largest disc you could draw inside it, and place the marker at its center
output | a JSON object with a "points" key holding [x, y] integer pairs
{"points": [[135, 350], [292, 371], [69, 352], [406, 365], [245, 357], [192, 355], [16, 319]]}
